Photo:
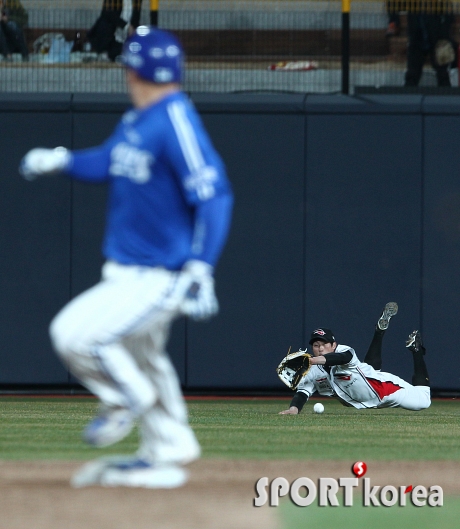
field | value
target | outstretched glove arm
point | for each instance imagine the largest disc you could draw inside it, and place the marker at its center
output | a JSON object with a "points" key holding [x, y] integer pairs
{"points": [[291, 370], [294, 367]]}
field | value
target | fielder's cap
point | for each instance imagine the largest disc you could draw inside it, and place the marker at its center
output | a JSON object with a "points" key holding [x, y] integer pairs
{"points": [[325, 335]]}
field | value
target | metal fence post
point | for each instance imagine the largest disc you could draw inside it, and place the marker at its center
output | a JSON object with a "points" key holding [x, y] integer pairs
{"points": [[346, 46], [154, 12]]}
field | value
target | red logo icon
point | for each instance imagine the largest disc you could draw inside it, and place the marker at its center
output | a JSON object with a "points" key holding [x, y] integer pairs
{"points": [[408, 489], [359, 469]]}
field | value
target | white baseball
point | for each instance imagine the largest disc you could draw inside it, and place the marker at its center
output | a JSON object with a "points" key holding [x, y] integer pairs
{"points": [[318, 408]]}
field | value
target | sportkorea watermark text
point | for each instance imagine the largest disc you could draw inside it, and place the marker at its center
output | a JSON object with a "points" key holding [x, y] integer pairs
{"points": [[327, 491]]}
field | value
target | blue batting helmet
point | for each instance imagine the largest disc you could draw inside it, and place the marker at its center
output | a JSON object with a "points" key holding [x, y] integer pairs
{"points": [[154, 54]]}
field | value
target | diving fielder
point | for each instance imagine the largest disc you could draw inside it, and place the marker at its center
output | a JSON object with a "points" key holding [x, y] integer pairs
{"points": [[336, 372], [168, 218]]}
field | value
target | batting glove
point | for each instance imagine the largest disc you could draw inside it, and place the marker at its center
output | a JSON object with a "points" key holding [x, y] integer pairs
{"points": [[40, 162], [200, 302]]}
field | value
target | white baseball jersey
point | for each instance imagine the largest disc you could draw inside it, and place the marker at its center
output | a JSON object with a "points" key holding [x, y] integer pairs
{"points": [[359, 385]]}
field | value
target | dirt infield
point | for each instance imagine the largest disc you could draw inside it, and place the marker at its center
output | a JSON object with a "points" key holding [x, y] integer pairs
{"points": [[37, 495]]}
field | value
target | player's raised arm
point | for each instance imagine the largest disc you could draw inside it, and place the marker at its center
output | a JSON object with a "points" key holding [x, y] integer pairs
{"points": [[90, 165], [41, 162]]}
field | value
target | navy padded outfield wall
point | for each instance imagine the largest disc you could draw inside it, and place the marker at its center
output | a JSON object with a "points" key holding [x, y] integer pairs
{"points": [[342, 204]]}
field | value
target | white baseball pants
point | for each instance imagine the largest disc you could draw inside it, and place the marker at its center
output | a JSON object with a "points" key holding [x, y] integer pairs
{"points": [[410, 397], [113, 338]]}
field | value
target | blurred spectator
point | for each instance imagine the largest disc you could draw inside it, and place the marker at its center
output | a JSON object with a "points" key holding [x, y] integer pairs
{"points": [[429, 31], [118, 19], [394, 7], [13, 19]]}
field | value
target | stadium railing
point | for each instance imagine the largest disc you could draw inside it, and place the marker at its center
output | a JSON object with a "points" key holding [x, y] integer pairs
{"points": [[231, 45]]}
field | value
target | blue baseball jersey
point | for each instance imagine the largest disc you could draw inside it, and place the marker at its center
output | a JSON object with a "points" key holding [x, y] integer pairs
{"points": [[170, 199]]}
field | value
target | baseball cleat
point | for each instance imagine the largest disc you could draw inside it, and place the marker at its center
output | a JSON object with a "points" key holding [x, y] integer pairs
{"points": [[129, 472], [109, 427], [89, 474], [414, 342], [141, 474], [390, 310]]}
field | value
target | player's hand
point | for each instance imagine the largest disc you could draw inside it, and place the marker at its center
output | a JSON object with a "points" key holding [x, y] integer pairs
{"points": [[293, 410], [40, 162], [200, 302]]}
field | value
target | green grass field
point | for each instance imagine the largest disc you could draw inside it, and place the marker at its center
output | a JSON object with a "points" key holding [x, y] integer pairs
{"points": [[50, 428], [356, 517]]}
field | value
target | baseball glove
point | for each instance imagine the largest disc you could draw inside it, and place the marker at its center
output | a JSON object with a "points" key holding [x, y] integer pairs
{"points": [[293, 367]]}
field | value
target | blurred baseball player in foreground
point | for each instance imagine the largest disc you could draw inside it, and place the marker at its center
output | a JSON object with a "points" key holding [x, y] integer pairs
{"points": [[336, 371], [168, 218]]}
